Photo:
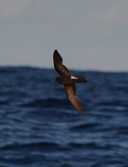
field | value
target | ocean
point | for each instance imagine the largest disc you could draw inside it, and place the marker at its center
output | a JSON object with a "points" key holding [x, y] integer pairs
{"points": [[40, 128]]}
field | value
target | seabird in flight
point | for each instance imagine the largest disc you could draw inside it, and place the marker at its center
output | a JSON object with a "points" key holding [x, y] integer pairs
{"points": [[68, 81]]}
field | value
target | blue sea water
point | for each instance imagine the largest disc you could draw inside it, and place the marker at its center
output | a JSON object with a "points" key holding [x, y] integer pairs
{"points": [[40, 128]]}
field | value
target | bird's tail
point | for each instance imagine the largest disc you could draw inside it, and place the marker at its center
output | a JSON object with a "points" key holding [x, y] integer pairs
{"points": [[82, 79]]}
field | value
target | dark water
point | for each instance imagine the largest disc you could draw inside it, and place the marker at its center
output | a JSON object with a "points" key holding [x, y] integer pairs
{"points": [[40, 128]]}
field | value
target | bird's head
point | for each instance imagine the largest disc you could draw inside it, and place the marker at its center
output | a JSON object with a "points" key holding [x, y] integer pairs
{"points": [[57, 79]]}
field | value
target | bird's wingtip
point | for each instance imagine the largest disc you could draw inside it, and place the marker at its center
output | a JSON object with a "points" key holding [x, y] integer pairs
{"points": [[81, 113], [55, 50]]}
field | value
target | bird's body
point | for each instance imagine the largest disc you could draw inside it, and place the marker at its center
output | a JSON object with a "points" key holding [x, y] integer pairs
{"points": [[68, 81]]}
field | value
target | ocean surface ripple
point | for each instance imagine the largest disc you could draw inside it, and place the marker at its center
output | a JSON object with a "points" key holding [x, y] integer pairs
{"points": [[40, 128]]}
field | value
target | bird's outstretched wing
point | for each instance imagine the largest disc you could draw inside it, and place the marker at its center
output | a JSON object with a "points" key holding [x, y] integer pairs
{"points": [[70, 91], [58, 64]]}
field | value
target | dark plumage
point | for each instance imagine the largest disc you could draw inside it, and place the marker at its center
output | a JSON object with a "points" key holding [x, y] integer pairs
{"points": [[68, 81]]}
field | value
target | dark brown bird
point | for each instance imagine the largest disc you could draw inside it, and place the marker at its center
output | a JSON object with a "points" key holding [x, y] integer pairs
{"points": [[68, 81]]}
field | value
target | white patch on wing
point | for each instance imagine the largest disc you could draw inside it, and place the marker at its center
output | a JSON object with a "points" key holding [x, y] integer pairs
{"points": [[72, 77]]}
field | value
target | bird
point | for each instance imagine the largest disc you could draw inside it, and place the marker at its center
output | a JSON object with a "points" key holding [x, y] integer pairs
{"points": [[68, 81]]}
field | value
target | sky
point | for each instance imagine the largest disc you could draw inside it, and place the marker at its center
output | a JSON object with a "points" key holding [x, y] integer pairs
{"points": [[88, 34]]}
